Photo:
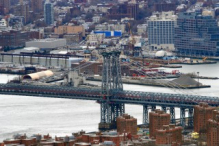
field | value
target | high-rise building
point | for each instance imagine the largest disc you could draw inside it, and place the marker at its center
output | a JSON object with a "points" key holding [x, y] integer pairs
{"points": [[22, 9], [13, 39], [5, 6], [196, 34], [37, 5], [48, 13], [160, 7], [169, 135], [67, 29], [202, 113], [213, 129], [157, 119], [127, 124], [161, 30], [123, 10]]}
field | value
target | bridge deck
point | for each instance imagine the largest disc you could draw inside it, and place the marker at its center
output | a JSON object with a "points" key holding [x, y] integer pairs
{"points": [[130, 97]]}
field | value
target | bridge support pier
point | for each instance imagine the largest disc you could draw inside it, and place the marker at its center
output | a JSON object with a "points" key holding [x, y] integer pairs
{"points": [[164, 108], [102, 112], [145, 114], [153, 107], [172, 115], [105, 116], [190, 118], [117, 110], [109, 113], [182, 116]]}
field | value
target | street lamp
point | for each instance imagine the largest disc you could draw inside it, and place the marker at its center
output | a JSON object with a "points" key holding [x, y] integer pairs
{"points": [[198, 78]]}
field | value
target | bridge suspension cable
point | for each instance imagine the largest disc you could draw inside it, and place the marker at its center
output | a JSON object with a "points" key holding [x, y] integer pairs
{"points": [[166, 85], [171, 84]]}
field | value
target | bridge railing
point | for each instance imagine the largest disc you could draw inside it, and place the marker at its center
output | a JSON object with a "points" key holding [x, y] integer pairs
{"points": [[182, 99], [123, 96]]}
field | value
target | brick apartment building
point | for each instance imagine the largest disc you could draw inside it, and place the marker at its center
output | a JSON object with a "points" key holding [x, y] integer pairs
{"points": [[123, 10], [35, 35], [37, 6], [72, 38], [127, 124], [157, 119], [202, 113], [80, 1], [13, 39], [213, 129], [66, 29], [22, 9], [4, 6], [169, 134], [91, 69], [164, 7]]}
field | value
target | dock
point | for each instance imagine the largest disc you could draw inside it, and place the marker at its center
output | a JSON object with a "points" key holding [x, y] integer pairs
{"points": [[154, 82], [171, 66], [196, 63]]}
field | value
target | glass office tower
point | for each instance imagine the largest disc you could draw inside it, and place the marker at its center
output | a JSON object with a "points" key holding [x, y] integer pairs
{"points": [[196, 35]]}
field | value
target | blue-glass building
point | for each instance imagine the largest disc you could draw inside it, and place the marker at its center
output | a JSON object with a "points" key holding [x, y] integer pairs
{"points": [[196, 35], [48, 13]]}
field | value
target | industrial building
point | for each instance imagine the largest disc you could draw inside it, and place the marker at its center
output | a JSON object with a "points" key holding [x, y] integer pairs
{"points": [[27, 50], [49, 60], [164, 7], [37, 5], [127, 124], [109, 33], [169, 135], [123, 10], [49, 43], [157, 119], [13, 39], [68, 29], [161, 30], [92, 69], [202, 113], [38, 75], [196, 34], [5, 6], [213, 129]]}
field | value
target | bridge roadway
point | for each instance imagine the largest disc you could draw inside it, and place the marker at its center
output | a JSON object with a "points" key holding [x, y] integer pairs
{"points": [[147, 99]]}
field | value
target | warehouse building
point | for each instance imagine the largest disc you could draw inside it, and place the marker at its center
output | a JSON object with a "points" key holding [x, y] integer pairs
{"points": [[49, 43], [38, 75]]}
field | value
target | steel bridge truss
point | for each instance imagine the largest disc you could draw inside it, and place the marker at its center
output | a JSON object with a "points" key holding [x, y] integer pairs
{"points": [[111, 81], [112, 99]]}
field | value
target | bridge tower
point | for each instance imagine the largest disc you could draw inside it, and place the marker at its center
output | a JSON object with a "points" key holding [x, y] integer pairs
{"points": [[117, 108], [116, 71], [111, 80]]}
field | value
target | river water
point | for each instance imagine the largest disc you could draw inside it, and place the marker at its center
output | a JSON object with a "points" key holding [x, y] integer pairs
{"points": [[33, 115]]}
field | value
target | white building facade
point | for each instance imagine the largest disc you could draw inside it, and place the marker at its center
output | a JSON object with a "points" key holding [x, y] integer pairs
{"points": [[161, 30], [49, 43]]}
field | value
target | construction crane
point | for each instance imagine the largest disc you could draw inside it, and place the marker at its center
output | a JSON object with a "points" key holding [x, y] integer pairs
{"points": [[204, 59]]}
